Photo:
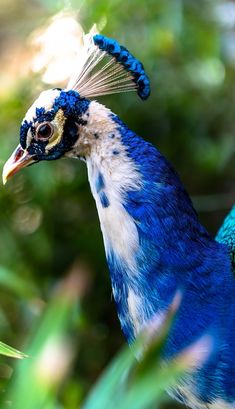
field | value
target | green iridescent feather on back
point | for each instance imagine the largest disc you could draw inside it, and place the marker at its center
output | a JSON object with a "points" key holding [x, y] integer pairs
{"points": [[226, 234]]}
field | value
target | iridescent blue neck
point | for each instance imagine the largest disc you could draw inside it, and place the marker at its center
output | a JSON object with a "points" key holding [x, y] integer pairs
{"points": [[153, 239]]}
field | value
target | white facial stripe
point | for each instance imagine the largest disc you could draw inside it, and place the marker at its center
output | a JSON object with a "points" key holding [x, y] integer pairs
{"points": [[45, 100], [29, 138]]}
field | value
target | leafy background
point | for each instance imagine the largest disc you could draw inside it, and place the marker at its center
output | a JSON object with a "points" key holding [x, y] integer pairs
{"points": [[48, 222]]}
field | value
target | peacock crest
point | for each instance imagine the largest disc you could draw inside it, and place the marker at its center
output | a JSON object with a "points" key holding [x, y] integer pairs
{"points": [[106, 67]]}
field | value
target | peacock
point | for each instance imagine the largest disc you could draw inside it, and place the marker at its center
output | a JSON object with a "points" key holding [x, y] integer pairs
{"points": [[154, 242]]}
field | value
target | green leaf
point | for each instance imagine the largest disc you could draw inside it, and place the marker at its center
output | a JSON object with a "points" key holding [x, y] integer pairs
{"points": [[133, 383], [49, 349], [6, 350], [15, 283]]}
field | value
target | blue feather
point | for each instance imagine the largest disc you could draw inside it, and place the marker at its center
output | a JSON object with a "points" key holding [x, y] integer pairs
{"points": [[99, 184], [104, 200]]}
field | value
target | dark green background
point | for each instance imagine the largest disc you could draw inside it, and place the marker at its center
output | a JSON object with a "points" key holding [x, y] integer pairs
{"points": [[48, 220]]}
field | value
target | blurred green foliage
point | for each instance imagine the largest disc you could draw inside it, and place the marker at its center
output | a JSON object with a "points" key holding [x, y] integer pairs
{"points": [[127, 383], [48, 220]]}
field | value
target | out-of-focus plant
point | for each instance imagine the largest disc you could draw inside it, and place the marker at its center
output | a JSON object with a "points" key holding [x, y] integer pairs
{"points": [[128, 383], [138, 383], [50, 351]]}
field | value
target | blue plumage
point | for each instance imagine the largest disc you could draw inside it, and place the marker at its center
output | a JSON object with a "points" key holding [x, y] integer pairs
{"points": [[175, 252], [154, 242], [72, 104]]}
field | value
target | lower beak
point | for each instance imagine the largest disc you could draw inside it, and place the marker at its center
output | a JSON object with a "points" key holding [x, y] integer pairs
{"points": [[18, 160]]}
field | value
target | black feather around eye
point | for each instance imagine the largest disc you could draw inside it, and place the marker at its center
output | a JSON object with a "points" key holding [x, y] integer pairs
{"points": [[70, 134]]}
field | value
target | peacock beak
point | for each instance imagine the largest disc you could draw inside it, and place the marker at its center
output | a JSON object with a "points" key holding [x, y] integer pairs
{"points": [[19, 159]]}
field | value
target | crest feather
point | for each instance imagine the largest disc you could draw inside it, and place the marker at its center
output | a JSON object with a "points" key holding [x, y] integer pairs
{"points": [[105, 67]]}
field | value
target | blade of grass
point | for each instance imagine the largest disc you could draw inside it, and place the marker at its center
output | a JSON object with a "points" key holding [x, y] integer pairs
{"points": [[113, 385], [129, 383], [149, 386], [36, 380], [6, 350]]}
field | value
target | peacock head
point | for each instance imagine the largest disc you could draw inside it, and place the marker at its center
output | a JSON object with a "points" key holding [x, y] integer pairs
{"points": [[49, 130], [51, 127]]}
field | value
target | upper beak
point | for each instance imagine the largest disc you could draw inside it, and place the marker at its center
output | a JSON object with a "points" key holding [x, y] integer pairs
{"points": [[19, 159]]}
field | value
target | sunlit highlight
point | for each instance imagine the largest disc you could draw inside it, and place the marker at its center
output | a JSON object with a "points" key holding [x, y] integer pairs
{"points": [[58, 45]]}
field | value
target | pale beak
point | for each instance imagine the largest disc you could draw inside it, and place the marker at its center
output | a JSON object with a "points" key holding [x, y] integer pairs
{"points": [[18, 160]]}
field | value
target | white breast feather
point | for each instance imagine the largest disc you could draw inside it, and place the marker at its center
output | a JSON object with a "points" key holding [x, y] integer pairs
{"points": [[119, 230], [134, 306], [191, 401]]}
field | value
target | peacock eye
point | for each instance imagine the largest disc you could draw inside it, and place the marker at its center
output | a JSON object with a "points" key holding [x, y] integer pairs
{"points": [[44, 131]]}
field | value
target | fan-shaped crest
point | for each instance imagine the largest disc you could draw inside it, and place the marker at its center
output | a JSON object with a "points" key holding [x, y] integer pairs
{"points": [[105, 67]]}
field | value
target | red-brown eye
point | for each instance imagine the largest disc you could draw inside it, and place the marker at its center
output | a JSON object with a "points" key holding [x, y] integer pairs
{"points": [[44, 131]]}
